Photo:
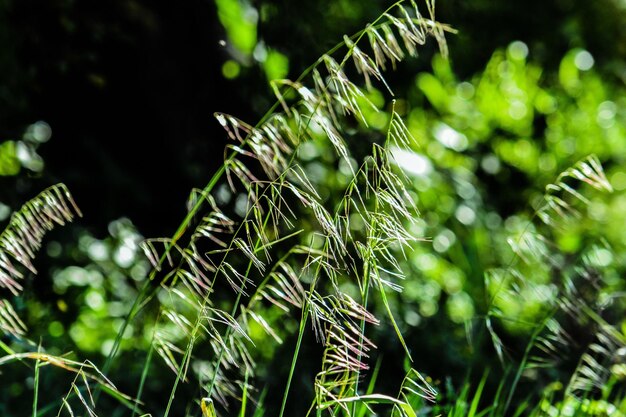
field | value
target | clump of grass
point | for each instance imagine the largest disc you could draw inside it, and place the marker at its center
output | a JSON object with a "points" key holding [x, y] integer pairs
{"points": [[249, 254], [20, 241], [306, 279], [571, 306], [223, 277]]}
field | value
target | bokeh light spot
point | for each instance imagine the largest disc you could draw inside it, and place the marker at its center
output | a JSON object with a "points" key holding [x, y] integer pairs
{"points": [[231, 69], [584, 60], [55, 329], [518, 50]]}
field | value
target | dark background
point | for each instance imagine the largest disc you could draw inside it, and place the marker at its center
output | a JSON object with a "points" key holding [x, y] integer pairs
{"points": [[129, 87]]}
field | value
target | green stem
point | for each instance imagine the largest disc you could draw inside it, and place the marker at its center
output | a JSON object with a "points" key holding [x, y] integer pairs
{"points": [[522, 365], [244, 400], [118, 338], [36, 393], [294, 359], [364, 296], [144, 375], [179, 375]]}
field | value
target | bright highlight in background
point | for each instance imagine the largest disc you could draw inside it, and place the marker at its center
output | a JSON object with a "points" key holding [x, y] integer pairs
{"points": [[412, 162]]}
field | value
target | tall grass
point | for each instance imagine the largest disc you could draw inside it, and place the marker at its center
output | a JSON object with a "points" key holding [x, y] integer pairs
{"points": [[291, 251]]}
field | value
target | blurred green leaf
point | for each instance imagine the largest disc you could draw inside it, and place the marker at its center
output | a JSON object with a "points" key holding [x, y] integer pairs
{"points": [[9, 163], [240, 23], [276, 65]]}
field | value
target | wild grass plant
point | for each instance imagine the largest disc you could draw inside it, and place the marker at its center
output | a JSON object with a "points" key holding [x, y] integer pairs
{"points": [[266, 259]]}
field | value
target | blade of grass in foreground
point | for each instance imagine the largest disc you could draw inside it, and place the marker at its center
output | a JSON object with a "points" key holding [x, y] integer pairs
{"points": [[36, 384]]}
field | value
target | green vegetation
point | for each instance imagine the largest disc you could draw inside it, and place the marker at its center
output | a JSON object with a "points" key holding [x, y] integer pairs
{"points": [[453, 248]]}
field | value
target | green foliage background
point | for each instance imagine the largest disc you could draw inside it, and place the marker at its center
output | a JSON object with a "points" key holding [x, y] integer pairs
{"points": [[530, 89]]}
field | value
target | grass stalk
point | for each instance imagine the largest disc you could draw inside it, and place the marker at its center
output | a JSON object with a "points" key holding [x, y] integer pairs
{"points": [[294, 359], [36, 384], [144, 375]]}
